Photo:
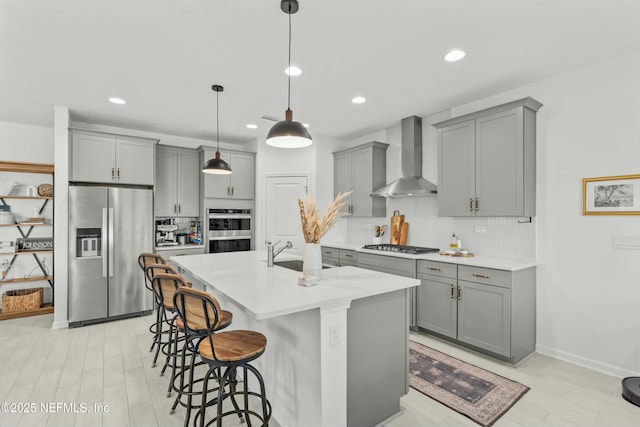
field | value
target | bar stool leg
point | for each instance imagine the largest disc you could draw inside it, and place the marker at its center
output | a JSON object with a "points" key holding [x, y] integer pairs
{"points": [[158, 336]]}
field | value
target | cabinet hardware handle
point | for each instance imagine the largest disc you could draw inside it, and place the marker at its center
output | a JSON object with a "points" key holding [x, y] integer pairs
{"points": [[482, 276], [470, 204], [232, 190], [452, 296], [459, 293], [433, 268], [113, 173], [179, 208], [118, 174], [228, 191], [476, 204], [175, 209], [348, 255]]}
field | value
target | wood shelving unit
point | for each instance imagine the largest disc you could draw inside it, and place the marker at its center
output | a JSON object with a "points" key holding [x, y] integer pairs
{"points": [[36, 168]]}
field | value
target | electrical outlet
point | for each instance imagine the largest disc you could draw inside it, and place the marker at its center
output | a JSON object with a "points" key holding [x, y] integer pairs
{"points": [[334, 335]]}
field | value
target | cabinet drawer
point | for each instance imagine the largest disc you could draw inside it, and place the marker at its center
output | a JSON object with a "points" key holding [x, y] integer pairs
{"points": [[488, 276], [387, 264], [435, 268], [346, 262], [347, 255], [330, 252], [330, 261]]}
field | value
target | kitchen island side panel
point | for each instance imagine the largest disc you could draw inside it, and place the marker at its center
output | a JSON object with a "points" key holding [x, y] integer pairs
{"points": [[377, 357]]}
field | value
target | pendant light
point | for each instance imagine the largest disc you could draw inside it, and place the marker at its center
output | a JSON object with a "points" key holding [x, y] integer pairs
{"points": [[217, 165], [289, 133]]}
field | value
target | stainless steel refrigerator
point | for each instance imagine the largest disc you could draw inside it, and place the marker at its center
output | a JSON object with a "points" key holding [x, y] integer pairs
{"points": [[108, 228]]}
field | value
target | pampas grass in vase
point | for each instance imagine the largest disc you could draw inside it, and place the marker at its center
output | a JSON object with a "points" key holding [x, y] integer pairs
{"points": [[314, 227]]}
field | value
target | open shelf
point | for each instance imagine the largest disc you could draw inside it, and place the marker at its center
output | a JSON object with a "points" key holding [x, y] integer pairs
{"points": [[24, 224], [26, 279], [26, 197], [26, 252], [26, 167], [45, 309]]}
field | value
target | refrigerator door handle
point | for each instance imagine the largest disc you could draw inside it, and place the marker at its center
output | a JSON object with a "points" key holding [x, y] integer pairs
{"points": [[110, 242], [104, 241]]}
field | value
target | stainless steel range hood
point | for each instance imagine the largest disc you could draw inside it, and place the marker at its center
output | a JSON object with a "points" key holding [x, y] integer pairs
{"points": [[412, 183]]}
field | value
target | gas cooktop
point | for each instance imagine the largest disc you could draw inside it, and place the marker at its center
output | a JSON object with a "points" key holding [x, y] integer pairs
{"points": [[401, 249]]}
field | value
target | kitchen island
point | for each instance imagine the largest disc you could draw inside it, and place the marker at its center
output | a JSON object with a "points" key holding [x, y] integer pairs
{"points": [[337, 352]]}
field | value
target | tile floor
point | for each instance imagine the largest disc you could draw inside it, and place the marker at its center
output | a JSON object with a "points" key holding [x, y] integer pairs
{"points": [[109, 364]]}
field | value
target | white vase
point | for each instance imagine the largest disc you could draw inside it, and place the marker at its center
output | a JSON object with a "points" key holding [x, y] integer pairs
{"points": [[312, 260]]}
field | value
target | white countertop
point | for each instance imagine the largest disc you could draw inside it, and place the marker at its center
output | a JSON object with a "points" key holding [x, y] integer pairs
{"points": [[476, 261], [268, 292], [173, 247]]}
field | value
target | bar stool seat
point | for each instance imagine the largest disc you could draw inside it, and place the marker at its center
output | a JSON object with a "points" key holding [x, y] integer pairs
{"points": [[233, 346]]}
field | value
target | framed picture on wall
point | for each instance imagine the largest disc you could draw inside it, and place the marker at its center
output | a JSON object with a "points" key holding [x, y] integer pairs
{"points": [[611, 195]]}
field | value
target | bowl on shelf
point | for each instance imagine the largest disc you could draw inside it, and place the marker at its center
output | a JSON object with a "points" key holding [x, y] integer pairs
{"points": [[6, 217], [6, 187]]}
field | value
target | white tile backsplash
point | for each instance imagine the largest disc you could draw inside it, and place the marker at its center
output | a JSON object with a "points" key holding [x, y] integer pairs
{"points": [[505, 237]]}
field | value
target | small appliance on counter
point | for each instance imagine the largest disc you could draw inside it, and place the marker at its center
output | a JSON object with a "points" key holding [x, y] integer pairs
{"points": [[166, 233]]}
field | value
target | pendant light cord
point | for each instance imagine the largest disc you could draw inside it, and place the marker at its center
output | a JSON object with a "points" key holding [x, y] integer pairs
{"points": [[218, 120], [289, 73]]}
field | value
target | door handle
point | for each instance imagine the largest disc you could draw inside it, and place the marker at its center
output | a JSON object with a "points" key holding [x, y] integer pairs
{"points": [[103, 239], [110, 242], [459, 293], [470, 204], [476, 204], [452, 295]]}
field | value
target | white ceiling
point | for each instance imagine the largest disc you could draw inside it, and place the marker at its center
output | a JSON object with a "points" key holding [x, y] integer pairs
{"points": [[163, 56]]}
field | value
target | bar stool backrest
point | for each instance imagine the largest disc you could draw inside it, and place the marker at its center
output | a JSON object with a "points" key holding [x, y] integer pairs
{"points": [[199, 310], [145, 259], [165, 286]]}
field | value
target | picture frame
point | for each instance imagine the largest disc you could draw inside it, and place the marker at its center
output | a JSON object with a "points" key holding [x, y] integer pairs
{"points": [[611, 195]]}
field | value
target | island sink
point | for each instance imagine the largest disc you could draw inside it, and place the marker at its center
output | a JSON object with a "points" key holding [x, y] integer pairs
{"points": [[293, 264]]}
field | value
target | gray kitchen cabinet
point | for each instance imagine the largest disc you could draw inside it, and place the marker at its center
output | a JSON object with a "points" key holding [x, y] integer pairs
{"points": [[238, 185], [177, 182], [387, 264], [486, 161], [486, 309], [106, 158], [437, 297], [361, 170], [338, 257]]}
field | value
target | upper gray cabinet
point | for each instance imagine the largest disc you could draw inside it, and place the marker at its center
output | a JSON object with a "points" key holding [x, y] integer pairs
{"points": [[239, 185], [177, 182], [105, 158], [486, 161], [361, 170]]}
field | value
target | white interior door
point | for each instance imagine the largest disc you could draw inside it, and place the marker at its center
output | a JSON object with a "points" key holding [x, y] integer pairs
{"points": [[282, 212]]}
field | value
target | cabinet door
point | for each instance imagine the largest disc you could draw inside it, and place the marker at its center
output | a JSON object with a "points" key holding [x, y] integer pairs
{"points": [[456, 170], [188, 183], [165, 186], [343, 176], [437, 305], [93, 158], [499, 164], [217, 186], [242, 180], [134, 162], [484, 317], [362, 173]]}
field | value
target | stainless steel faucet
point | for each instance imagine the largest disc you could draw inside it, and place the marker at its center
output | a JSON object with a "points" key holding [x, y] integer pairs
{"points": [[272, 252]]}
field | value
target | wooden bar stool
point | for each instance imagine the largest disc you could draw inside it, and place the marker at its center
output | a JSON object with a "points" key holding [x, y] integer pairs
{"points": [[161, 315], [145, 259], [190, 313], [228, 350]]}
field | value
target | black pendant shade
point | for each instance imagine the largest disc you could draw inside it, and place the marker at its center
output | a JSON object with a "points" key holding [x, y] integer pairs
{"points": [[217, 166], [289, 133]]}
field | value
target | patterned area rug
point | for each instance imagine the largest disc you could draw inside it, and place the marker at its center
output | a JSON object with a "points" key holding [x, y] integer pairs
{"points": [[473, 392]]}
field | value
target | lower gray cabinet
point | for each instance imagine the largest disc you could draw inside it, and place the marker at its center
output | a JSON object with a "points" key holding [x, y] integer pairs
{"points": [[487, 309], [386, 264], [338, 257]]}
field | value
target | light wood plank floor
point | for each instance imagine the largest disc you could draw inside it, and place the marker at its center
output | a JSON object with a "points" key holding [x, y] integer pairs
{"points": [[109, 364]]}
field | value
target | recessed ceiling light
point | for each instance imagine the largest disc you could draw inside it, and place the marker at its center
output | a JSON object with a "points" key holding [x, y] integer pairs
{"points": [[359, 100], [305, 125], [118, 101], [252, 126], [454, 55], [293, 71]]}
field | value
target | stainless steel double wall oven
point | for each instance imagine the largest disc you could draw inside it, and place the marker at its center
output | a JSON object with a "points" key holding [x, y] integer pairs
{"points": [[230, 230]]}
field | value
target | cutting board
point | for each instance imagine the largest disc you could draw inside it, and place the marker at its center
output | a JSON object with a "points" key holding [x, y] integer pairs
{"points": [[404, 229], [396, 228]]}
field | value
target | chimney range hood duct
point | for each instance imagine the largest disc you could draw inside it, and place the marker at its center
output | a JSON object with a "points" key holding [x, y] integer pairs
{"points": [[412, 183]]}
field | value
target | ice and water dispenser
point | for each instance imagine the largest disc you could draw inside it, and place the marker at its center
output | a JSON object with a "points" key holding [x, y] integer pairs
{"points": [[88, 242]]}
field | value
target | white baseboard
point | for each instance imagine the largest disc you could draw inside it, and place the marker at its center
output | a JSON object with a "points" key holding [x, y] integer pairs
{"points": [[605, 368], [64, 324]]}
